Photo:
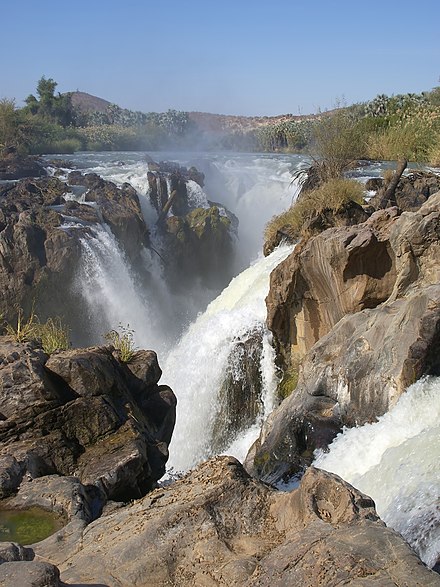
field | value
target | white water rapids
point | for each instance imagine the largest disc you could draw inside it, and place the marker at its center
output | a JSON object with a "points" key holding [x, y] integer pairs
{"points": [[396, 462]]}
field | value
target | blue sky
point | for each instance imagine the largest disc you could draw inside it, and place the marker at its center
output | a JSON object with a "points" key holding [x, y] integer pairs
{"points": [[230, 57]]}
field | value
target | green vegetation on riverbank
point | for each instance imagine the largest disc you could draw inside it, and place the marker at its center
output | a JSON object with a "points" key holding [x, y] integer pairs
{"points": [[405, 125]]}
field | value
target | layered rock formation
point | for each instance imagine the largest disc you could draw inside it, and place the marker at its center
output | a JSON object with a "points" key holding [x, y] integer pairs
{"points": [[83, 412]]}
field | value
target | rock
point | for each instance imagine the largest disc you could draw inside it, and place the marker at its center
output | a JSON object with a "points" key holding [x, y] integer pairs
{"points": [[199, 246], [374, 183], [345, 270], [121, 210], [83, 412], [360, 306], [29, 574], [351, 376], [11, 475], [412, 191], [14, 166], [36, 253], [11, 551], [240, 399], [217, 526]]}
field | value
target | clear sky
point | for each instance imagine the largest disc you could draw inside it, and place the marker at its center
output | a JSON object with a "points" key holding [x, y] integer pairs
{"points": [[246, 57]]}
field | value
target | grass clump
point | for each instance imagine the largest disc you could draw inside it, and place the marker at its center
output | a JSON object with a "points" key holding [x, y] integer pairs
{"points": [[52, 334], [332, 195], [122, 340]]}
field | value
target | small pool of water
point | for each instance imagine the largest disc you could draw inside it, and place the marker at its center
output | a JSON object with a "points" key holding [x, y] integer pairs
{"points": [[28, 526]]}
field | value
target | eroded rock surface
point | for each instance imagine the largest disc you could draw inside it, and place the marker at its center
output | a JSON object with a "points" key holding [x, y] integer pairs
{"points": [[83, 412], [345, 270], [218, 526]]}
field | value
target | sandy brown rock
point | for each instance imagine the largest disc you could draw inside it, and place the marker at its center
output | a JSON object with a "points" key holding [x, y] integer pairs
{"points": [[345, 270], [351, 376], [219, 527]]}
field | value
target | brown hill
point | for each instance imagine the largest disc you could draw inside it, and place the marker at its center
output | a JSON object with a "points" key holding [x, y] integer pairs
{"points": [[87, 103]]}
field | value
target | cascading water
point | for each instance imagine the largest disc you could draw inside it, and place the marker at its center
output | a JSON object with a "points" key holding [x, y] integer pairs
{"points": [[256, 188], [395, 461], [196, 367], [107, 285]]}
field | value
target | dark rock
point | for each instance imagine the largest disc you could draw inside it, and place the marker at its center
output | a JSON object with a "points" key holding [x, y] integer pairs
{"points": [[412, 191], [14, 166], [83, 412], [11, 551], [121, 210], [29, 574], [199, 245], [374, 183]]}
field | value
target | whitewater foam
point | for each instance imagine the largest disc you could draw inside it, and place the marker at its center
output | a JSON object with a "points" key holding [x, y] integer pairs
{"points": [[395, 461]]}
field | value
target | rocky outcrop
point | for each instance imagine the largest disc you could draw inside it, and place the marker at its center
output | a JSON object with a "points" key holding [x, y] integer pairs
{"points": [[83, 412], [40, 238], [345, 270], [412, 191], [361, 306], [199, 246], [218, 526], [119, 207], [14, 166]]}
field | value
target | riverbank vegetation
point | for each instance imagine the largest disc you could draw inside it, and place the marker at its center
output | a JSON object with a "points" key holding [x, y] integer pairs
{"points": [[386, 128]]}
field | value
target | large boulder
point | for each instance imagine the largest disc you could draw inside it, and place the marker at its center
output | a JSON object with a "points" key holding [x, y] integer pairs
{"points": [[345, 270], [351, 376], [83, 412], [218, 526]]}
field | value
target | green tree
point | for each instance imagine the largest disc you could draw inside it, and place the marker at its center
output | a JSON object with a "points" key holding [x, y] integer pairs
{"points": [[57, 109]]}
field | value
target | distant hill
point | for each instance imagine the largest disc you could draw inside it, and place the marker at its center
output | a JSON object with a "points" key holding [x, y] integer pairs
{"points": [[87, 103], [205, 121]]}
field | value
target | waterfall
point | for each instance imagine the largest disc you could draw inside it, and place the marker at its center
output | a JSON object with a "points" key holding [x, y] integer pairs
{"points": [[196, 367], [111, 293], [395, 461]]}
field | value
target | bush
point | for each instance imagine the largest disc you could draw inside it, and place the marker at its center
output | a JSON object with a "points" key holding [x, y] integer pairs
{"points": [[332, 195], [411, 141], [338, 140]]}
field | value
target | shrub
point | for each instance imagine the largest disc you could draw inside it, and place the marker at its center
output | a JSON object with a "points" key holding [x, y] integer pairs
{"points": [[338, 140], [332, 195], [434, 154], [411, 140], [123, 342]]}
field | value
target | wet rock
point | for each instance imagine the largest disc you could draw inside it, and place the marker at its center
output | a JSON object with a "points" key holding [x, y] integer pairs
{"points": [[14, 166], [240, 397], [83, 412], [217, 526], [121, 210], [199, 246]]}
